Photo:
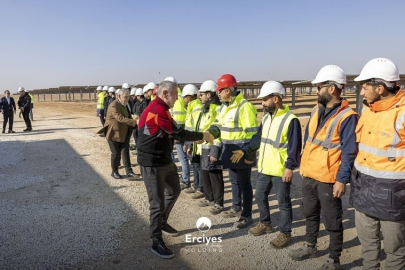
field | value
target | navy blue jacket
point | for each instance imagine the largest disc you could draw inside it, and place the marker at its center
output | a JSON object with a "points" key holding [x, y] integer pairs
{"points": [[5, 106]]}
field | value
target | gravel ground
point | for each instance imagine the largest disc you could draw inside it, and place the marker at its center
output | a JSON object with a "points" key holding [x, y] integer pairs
{"points": [[61, 209]]}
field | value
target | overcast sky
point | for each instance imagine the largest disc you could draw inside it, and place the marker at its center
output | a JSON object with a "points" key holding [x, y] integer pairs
{"points": [[57, 43]]}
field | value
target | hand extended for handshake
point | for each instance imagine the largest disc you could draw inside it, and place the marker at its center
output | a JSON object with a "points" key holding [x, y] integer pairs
{"points": [[208, 137]]}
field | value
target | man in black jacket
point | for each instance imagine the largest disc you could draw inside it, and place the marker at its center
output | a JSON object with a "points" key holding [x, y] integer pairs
{"points": [[8, 109], [24, 103]]}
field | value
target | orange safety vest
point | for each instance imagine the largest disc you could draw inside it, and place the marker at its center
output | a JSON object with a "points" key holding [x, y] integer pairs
{"points": [[381, 136], [321, 157]]}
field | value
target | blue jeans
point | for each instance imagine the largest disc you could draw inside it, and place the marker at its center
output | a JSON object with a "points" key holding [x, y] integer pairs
{"points": [[264, 183], [185, 167], [241, 185], [196, 172]]}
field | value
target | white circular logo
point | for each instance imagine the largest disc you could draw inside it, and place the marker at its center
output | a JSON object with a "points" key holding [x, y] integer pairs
{"points": [[203, 224]]}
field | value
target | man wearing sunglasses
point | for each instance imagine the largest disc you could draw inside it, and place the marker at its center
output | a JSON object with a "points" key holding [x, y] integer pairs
{"points": [[378, 176], [279, 141], [330, 148]]}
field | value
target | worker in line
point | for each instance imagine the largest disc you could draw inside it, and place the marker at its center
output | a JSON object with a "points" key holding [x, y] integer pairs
{"points": [[24, 104], [100, 104], [378, 177], [140, 106], [32, 107], [109, 99], [279, 139], [118, 129], [148, 91], [211, 169], [133, 101], [8, 109], [192, 103], [179, 113], [236, 125], [330, 148], [157, 131]]}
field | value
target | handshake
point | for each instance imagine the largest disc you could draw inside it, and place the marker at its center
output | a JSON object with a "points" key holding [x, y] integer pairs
{"points": [[207, 137]]}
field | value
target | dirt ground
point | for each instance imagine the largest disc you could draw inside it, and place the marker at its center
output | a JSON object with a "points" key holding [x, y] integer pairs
{"points": [[61, 209]]}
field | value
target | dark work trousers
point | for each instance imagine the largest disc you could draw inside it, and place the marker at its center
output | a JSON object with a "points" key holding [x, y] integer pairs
{"points": [[26, 116], [213, 183], [101, 115], [264, 184], [135, 134], [8, 116], [119, 149], [317, 199], [241, 188], [31, 112], [163, 187]]}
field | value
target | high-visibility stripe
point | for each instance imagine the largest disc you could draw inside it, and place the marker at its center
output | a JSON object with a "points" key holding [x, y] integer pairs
{"points": [[327, 143], [219, 144], [178, 113], [252, 129], [390, 152], [231, 129], [205, 146], [236, 119], [380, 174], [280, 129], [241, 141], [273, 143]]}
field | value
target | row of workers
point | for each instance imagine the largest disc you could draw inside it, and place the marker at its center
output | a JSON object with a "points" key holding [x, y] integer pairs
{"points": [[334, 140]]}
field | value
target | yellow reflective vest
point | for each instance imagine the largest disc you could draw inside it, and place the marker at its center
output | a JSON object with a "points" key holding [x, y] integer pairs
{"points": [[178, 111], [32, 98], [100, 101], [273, 146], [238, 121]]}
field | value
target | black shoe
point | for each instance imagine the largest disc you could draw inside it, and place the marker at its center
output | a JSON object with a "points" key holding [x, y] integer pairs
{"points": [[162, 251], [169, 230], [3, 131], [134, 177], [116, 175], [27, 129], [10, 131]]}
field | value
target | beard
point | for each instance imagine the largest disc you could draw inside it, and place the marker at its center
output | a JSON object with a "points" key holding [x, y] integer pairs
{"points": [[269, 109], [324, 98]]}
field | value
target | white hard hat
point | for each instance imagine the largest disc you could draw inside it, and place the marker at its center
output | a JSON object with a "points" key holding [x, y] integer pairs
{"points": [[105, 88], [139, 92], [133, 90], [208, 86], [189, 90], [111, 90], [149, 86], [20, 89], [26, 90], [330, 73], [117, 91], [99, 88], [379, 68], [125, 85], [170, 79], [271, 87]]}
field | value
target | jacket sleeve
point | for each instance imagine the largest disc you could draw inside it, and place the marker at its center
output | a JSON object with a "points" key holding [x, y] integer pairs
{"points": [[248, 119], [117, 115], [167, 124], [294, 146], [254, 144], [28, 104], [349, 147]]}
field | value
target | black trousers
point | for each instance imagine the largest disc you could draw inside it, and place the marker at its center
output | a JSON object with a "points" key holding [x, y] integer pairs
{"points": [[213, 183], [163, 188], [119, 149], [26, 116], [135, 134], [8, 117], [317, 199], [102, 117]]}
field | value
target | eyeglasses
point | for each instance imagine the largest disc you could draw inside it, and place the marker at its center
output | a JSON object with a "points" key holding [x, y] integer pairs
{"points": [[320, 87]]}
